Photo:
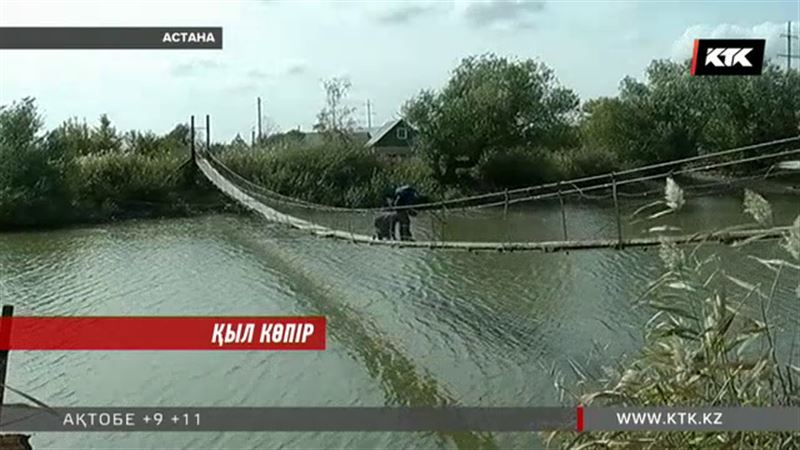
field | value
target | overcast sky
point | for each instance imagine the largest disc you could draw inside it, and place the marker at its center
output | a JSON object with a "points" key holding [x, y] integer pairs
{"points": [[281, 50]]}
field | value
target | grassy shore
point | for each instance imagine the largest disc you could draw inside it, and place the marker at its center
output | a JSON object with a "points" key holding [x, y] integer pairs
{"points": [[76, 174], [111, 186]]}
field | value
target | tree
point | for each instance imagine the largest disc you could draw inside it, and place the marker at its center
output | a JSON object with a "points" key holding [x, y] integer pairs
{"points": [[180, 135], [238, 143], [749, 110], [335, 120], [672, 115], [490, 104], [291, 138], [105, 137], [34, 167], [75, 135], [269, 129], [144, 143]]}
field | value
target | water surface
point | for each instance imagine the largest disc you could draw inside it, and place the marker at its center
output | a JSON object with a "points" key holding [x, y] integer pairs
{"points": [[406, 326]]}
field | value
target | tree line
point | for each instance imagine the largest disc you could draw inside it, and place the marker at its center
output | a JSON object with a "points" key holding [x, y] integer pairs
{"points": [[497, 123], [500, 111]]}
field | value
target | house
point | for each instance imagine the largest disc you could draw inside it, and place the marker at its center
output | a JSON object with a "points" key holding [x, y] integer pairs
{"points": [[313, 138], [394, 139]]}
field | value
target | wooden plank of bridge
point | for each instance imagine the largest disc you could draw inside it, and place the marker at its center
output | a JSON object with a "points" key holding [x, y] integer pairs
{"points": [[563, 212], [551, 246], [620, 242]]}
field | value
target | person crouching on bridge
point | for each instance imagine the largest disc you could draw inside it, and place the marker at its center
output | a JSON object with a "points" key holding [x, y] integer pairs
{"points": [[400, 216], [385, 224]]}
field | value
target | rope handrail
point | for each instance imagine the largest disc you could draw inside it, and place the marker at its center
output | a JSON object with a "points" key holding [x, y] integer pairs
{"points": [[280, 197], [628, 171], [575, 189], [227, 187], [765, 174], [233, 191], [437, 205], [640, 179]]}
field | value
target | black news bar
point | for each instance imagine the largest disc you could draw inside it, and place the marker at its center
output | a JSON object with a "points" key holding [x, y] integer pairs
{"points": [[107, 38], [27, 419], [23, 418]]}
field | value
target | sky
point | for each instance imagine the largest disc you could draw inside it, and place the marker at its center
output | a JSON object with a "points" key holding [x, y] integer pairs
{"points": [[281, 50]]}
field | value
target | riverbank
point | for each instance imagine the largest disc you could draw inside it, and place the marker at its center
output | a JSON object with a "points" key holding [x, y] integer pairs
{"points": [[109, 187], [118, 187], [76, 175]]}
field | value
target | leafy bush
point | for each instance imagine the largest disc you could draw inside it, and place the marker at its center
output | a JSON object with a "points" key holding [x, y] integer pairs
{"points": [[332, 173], [415, 172], [78, 173], [517, 167], [76, 136], [34, 168], [110, 182], [321, 174], [81, 139], [584, 162]]}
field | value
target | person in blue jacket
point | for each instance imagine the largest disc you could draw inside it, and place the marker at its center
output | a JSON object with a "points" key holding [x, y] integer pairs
{"points": [[405, 196], [387, 223]]}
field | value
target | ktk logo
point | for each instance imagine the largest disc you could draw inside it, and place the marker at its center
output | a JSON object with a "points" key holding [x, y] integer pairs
{"points": [[733, 56], [728, 56]]}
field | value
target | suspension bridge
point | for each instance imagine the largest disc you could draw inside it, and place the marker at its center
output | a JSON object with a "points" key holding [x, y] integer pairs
{"points": [[272, 205]]}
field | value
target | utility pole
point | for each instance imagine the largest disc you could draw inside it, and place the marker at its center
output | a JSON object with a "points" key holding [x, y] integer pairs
{"points": [[789, 36], [194, 152], [208, 133], [369, 114], [259, 120]]}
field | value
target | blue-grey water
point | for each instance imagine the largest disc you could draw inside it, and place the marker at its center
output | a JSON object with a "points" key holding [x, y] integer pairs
{"points": [[406, 326]]}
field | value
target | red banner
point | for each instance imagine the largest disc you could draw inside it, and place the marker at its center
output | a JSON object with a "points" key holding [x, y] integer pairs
{"points": [[162, 333]]}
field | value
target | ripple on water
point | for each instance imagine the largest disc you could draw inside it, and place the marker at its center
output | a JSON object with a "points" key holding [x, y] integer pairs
{"points": [[481, 329]]}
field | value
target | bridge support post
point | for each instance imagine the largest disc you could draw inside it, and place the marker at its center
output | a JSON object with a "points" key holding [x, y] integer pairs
{"points": [[563, 213], [208, 133], [433, 225], [5, 338], [616, 209], [191, 137], [505, 205], [444, 223]]}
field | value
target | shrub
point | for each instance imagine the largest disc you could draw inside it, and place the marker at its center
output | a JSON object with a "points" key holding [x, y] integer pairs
{"points": [[109, 183], [584, 162], [34, 167], [415, 172], [517, 167], [321, 174]]}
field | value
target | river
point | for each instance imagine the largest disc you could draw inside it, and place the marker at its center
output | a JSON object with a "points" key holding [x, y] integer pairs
{"points": [[406, 326]]}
